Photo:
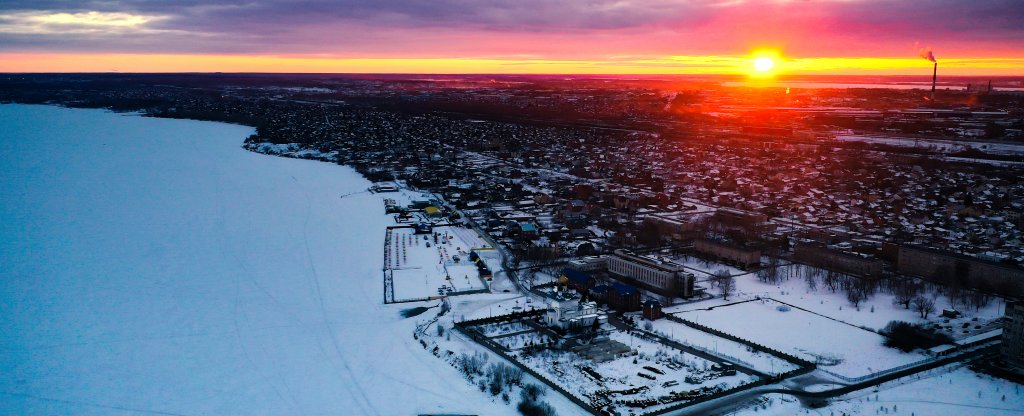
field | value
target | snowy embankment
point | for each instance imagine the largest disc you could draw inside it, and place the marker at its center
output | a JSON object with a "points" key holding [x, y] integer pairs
{"points": [[153, 266], [294, 150]]}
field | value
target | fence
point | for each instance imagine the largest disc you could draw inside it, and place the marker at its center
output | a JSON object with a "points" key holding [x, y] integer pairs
{"points": [[805, 367], [791, 358], [501, 318], [724, 393], [877, 373], [464, 328]]}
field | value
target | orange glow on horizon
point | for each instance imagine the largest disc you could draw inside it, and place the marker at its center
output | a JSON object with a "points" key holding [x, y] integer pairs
{"points": [[710, 64], [764, 63]]}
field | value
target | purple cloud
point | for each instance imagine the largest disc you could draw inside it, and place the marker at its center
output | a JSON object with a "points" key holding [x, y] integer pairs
{"points": [[543, 27]]}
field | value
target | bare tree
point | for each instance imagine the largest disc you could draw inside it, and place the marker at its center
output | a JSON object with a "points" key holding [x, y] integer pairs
{"points": [[726, 282], [513, 375], [514, 258], [769, 273], [832, 280], [554, 270], [904, 292], [762, 274], [867, 285], [924, 306], [810, 276], [979, 300], [954, 294], [528, 276], [855, 295]]}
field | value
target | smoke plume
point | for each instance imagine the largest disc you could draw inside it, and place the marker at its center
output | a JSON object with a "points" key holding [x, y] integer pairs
{"points": [[926, 53]]}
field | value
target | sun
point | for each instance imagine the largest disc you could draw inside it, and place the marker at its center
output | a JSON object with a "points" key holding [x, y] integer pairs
{"points": [[764, 64]]}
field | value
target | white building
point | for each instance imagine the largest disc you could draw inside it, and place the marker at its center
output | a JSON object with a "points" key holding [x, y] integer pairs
{"points": [[589, 263], [660, 276], [572, 315]]}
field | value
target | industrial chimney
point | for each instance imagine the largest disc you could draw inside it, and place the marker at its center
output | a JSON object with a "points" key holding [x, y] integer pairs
{"points": [[927, 53]]}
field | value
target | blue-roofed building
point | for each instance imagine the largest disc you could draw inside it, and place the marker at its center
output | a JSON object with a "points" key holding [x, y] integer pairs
{"points": [[624, 298], [623, 289], [527, 230], [577, 280], [600, 292]]}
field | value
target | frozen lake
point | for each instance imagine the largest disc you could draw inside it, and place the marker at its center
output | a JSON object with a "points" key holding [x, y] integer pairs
{"points": [[152, 266]]}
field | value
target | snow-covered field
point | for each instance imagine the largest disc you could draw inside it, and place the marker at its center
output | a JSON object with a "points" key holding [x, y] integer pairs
{"points": [[426, 265], [468, 237], [858, 351], [874, 312], [722, 347], [937, 144], [703, 269], [152, 266]]}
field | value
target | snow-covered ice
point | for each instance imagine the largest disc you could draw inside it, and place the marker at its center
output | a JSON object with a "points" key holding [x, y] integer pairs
{"points": [[154, 266]]}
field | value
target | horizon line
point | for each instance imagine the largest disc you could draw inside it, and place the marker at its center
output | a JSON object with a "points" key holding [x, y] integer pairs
{"points": [[659, 66]]}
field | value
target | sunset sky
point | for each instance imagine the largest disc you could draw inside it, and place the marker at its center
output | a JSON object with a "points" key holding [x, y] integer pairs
{"points": [[977, 37]]}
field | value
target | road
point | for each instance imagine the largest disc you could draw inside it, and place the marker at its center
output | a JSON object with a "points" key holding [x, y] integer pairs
{"points": [[742, 399], [510, 272]]}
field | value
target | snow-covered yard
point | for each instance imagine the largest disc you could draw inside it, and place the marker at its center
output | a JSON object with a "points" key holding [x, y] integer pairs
{"points": [[702, 269], [468, 237], [838, 347], [722, 347], [425, 265], [874, 312]]}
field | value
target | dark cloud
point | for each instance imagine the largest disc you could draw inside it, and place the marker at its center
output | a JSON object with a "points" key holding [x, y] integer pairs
{"points": [[494, 14], [357, 26]]}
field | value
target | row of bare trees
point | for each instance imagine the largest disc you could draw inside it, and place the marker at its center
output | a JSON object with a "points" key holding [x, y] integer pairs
{"points": [[910, 293]]}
